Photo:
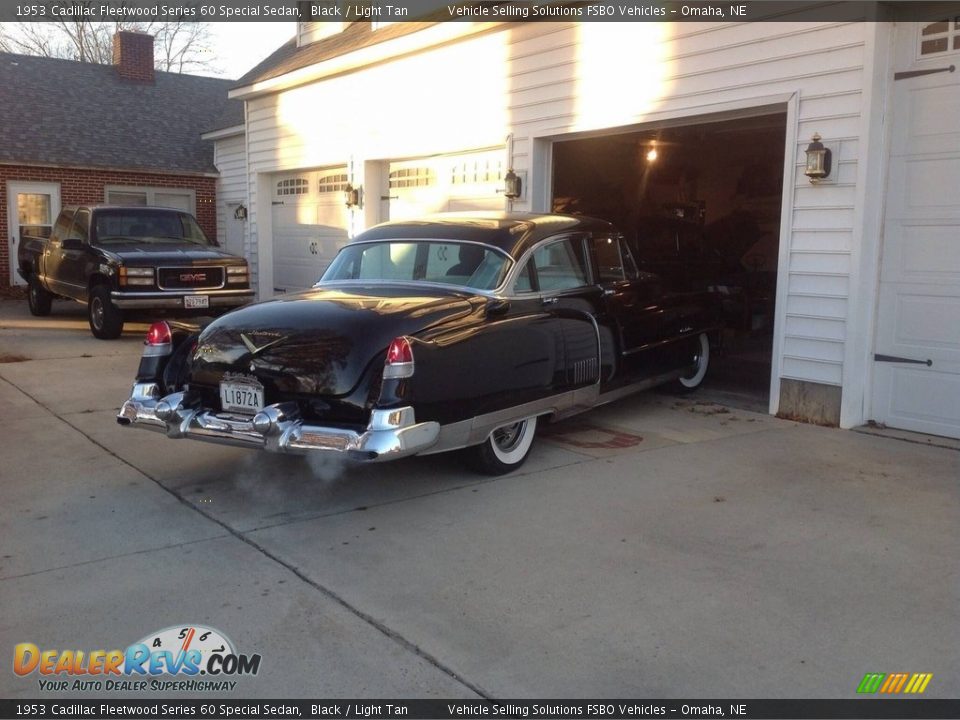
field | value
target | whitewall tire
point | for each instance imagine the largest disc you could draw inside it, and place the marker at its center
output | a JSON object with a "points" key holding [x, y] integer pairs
{"points": [[507, 447], [700, 364]]}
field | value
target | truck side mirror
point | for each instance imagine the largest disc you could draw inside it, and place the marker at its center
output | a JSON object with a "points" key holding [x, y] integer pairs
{"points": [[72, 243]]}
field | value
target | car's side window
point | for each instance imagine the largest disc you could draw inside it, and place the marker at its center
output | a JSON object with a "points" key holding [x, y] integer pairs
{"points": [[629, 264], [524, 281], [561, 265], [606, 253], [62, 226], [80, 224]]}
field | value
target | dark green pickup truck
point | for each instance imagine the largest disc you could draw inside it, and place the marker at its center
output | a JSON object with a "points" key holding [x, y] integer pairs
{"points": [[117, 259]]}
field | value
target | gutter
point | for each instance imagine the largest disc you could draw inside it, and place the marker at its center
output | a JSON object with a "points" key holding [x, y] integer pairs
{"points": [[223, 133]]}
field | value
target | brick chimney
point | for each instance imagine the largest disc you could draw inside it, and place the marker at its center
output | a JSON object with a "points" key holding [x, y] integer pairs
{"points": [[133, 56]]}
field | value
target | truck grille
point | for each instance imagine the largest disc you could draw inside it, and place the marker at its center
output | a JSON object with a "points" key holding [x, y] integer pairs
{"points": [[190, 278]]}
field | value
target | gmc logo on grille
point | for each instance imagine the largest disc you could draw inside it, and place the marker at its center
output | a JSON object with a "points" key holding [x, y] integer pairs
{"points": [[193, 277]]}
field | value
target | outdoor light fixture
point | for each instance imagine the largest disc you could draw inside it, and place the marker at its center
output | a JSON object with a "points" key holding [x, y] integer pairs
{"points": [[818, 160], [652, 155], [351, 196], [512, 185], [240, 213]]}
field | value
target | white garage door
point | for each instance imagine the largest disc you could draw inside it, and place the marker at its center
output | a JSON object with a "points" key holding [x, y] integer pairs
{"points": [[917, 368], [446, 183], [310, 222]]}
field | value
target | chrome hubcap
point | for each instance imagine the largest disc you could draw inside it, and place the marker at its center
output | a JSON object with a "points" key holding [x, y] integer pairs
{"points": [[97, 313], [508, 437]]}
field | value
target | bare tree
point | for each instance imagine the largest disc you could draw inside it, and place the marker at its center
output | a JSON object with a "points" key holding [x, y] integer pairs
{"points": [[179, 46]]}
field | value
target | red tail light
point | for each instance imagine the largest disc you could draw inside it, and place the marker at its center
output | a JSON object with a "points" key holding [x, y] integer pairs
{"points": [[159, 334], [159, 340], [399, 362]]}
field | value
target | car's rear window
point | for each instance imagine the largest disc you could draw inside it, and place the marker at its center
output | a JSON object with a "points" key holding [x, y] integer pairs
{"points": [[463, 264], [148, 226]]}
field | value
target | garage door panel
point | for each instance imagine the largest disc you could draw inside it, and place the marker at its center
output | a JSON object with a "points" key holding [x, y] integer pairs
{"points": [[450, 183], [918, 314], [924, 111], [921, 185], [308, 227], [922, 321], [918, 399], [922, 253]]}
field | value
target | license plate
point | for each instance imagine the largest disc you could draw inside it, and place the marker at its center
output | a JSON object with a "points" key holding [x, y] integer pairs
{"points": [[241, 397], [192, 302]]}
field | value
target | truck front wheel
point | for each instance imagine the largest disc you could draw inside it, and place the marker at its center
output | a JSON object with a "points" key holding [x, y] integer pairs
{"points": [[106, 319], [38, 298]]}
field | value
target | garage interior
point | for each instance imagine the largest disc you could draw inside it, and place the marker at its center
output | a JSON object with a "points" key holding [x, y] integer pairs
{"points": [[700, 206]]}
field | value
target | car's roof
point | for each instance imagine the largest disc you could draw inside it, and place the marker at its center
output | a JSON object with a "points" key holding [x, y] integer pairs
{"points": [[511, 232]]}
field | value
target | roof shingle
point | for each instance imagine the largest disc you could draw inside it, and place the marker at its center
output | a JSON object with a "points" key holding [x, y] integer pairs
{"points": [[66, 113]]}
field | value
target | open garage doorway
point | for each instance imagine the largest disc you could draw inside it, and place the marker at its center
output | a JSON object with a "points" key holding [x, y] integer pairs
{"points": [[700, 206]]}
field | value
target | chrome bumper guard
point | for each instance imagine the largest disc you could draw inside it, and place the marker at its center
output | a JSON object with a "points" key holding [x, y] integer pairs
{"points": [[278, 428]]}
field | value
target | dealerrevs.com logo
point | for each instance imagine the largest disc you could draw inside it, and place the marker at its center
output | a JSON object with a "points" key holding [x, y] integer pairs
{"points": [[178, 658]]}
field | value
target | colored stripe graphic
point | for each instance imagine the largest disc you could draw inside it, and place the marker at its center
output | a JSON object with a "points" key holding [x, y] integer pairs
{"points": [[918, 683], [870, 683], [895, 683]]}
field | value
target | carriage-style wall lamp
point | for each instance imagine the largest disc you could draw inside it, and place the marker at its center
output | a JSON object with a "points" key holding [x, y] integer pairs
{"points": [[240, 213], [512, 185], [818, 160], [351, 196]]}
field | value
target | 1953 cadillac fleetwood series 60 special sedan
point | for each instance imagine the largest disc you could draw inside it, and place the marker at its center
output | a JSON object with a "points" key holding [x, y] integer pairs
{"points": [[457, 331]]}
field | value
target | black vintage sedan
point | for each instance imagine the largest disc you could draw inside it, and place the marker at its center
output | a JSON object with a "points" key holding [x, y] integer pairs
{"points": [[456, 331]]}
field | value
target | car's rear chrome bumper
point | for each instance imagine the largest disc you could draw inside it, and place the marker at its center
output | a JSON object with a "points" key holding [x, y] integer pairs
{"points": [[278, 428]]}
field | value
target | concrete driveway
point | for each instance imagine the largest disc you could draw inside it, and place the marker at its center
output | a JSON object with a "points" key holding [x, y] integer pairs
{"points": [[658, 547]]}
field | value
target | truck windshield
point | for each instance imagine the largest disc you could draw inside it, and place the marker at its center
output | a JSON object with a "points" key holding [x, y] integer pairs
{"points": [[147, 226]]}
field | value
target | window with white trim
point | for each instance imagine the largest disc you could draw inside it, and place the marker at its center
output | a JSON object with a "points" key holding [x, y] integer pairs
{"points": [[413, 177], [333, 182], [179, 198], [474, 171], [940, 37], [293, 186]]}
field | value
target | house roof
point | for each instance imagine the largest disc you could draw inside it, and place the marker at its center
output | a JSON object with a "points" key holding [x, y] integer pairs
{"points": [[288, 57], [66, 113]]}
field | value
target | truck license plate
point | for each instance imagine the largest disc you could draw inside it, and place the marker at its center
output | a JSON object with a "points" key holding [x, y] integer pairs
{"points": [[241, 397], [192, 302]]}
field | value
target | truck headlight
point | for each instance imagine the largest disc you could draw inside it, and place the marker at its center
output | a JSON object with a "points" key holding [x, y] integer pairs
{"points": [[136, 276], [237, 274]]}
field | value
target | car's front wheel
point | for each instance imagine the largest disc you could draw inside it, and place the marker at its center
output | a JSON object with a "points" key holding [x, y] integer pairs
{"points": [[106, 319], [38, 298], [698, 368], [507, 447]]}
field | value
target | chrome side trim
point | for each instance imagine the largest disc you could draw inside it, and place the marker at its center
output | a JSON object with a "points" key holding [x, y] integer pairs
{"points": [[474, 431]]}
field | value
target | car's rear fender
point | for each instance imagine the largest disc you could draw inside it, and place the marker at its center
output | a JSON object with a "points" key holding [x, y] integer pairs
{"points": [[473, 371], [167, 369]]}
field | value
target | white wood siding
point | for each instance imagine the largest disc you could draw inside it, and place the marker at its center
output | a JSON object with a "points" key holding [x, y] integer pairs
{"points": [[230, 158], [545, 81]]}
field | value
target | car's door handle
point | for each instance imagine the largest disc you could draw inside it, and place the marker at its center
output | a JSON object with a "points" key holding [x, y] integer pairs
{"points": [[551, 300], [607, 292]]}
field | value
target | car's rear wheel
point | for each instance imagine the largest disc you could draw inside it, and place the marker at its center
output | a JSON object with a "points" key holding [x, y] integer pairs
{"points": [[699, 365], [38, 298], [507, 447], [106, 319]]}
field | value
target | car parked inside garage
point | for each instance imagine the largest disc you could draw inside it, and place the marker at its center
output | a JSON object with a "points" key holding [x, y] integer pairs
{"points": [[423, 336]]}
